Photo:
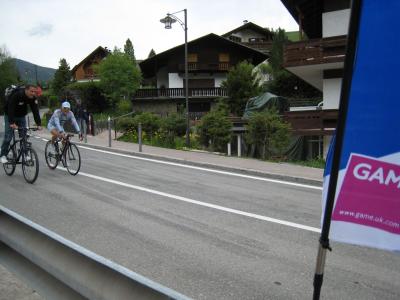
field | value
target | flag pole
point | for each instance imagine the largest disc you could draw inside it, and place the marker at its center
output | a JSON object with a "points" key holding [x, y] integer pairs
{"points": [[337, 143]]}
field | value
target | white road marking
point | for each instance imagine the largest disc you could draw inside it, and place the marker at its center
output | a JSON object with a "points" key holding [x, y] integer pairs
{"points": [[202, 169], [205, 204], [206, 169]]}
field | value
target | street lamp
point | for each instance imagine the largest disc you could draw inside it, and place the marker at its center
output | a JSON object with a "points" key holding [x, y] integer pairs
{"points": [[168, 21]]}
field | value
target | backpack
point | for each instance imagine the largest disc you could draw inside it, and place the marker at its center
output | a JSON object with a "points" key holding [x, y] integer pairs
{"points": [[10, 90]]}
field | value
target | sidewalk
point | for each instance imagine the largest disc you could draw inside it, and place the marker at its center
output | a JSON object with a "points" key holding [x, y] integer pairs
{"points": [[255, 167]]}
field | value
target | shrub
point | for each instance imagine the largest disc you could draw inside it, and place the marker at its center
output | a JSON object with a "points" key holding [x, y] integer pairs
{"points": [[172, 127], [174, 124], [214, 130], [126, 125], [268, 133], [150, 123], [124, 107], [54, 102]]}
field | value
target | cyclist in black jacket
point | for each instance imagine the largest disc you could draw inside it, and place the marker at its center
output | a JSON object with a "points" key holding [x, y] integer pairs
{"points": [[15, 110]]}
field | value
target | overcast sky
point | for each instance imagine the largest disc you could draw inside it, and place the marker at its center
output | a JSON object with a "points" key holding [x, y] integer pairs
{"points": [[44, 31]]}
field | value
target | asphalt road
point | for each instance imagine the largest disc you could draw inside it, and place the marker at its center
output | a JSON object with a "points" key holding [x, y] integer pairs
{"points": [[204, 234]]}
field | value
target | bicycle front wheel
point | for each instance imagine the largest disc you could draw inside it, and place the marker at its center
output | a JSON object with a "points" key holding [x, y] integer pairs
{"points": [[72, 159], [30, 165], [51, 155], [9, 167]]}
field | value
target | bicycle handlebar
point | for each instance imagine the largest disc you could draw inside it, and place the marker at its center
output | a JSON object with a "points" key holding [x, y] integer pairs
{"points": [[65, 137]]}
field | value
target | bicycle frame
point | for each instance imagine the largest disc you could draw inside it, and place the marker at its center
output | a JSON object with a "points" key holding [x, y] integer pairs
{"points": [[24, 155], [24, 145], [65, 145]]}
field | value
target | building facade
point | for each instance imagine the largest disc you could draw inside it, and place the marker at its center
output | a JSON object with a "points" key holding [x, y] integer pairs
{"points": [[319, 60], [209, 59]]}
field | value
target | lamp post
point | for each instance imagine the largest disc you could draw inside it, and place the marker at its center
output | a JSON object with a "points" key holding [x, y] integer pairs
{"points": [[168, 21]]}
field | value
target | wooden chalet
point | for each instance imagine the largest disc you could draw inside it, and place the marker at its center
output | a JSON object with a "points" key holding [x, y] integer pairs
{"points": [[251, 35], [209, 59], [84, 71]]}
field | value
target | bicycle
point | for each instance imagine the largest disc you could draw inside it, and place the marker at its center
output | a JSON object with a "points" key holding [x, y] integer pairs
{"points": [[68, 154], [24, 155]]}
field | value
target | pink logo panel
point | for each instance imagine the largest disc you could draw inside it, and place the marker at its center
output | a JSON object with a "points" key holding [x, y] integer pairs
{"points": [[370, 194]]}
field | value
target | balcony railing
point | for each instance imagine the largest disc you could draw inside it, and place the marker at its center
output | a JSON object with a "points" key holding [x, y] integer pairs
{"points": [[317, 122], [87, 77], [261, 46], [317, 51], [206, 67], [180, 93], [91, 76]]}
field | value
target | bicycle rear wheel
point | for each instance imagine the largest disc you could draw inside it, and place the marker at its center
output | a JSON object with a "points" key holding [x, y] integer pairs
{"points": [[9, 167], [30, 165], [72, 159], [51, 155]]}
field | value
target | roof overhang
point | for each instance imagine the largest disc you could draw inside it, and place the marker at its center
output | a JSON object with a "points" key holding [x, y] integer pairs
{"points": [[313, 74], [310, 13], [253, 27], [150, 65], [99, 49]]}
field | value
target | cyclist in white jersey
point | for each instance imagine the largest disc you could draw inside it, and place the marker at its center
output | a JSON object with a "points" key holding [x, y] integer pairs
{"points": [[58, 119]]}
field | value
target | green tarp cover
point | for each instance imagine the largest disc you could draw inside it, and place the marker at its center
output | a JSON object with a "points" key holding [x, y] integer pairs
{"points": [[265, 102]]}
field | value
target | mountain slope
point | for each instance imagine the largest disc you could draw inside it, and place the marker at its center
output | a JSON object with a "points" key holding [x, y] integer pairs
{"points": [[31, 73]]}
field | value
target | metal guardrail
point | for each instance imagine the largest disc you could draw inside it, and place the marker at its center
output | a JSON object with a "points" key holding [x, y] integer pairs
{"points": [[100, 126], [60, 269]]}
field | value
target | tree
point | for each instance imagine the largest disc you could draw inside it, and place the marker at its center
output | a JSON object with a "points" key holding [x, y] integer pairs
{"points": [[62, 78], [267, 132], [284, 83], [119, 77], [241, 84], [8, 73], [152, 53], [276, 57], [129, 51], [287, 85], [90, 95]]}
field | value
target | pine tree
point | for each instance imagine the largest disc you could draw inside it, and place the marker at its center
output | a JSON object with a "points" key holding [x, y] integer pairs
{"points": [[241, 84], [62, 77], [152, 53], [284, 83], [129, 51], [276, 58]]}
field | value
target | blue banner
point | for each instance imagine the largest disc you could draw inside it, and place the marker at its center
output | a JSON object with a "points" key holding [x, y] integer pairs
{"points": [[367, 201]]}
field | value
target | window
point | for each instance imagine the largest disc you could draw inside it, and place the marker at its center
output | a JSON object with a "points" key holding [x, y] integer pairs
{"points": [[192, 57], [224, 57], [257, 40], [235, 38]]}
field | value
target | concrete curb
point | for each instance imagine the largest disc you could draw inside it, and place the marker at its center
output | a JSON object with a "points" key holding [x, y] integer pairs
{"points": [[251, 172]]}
